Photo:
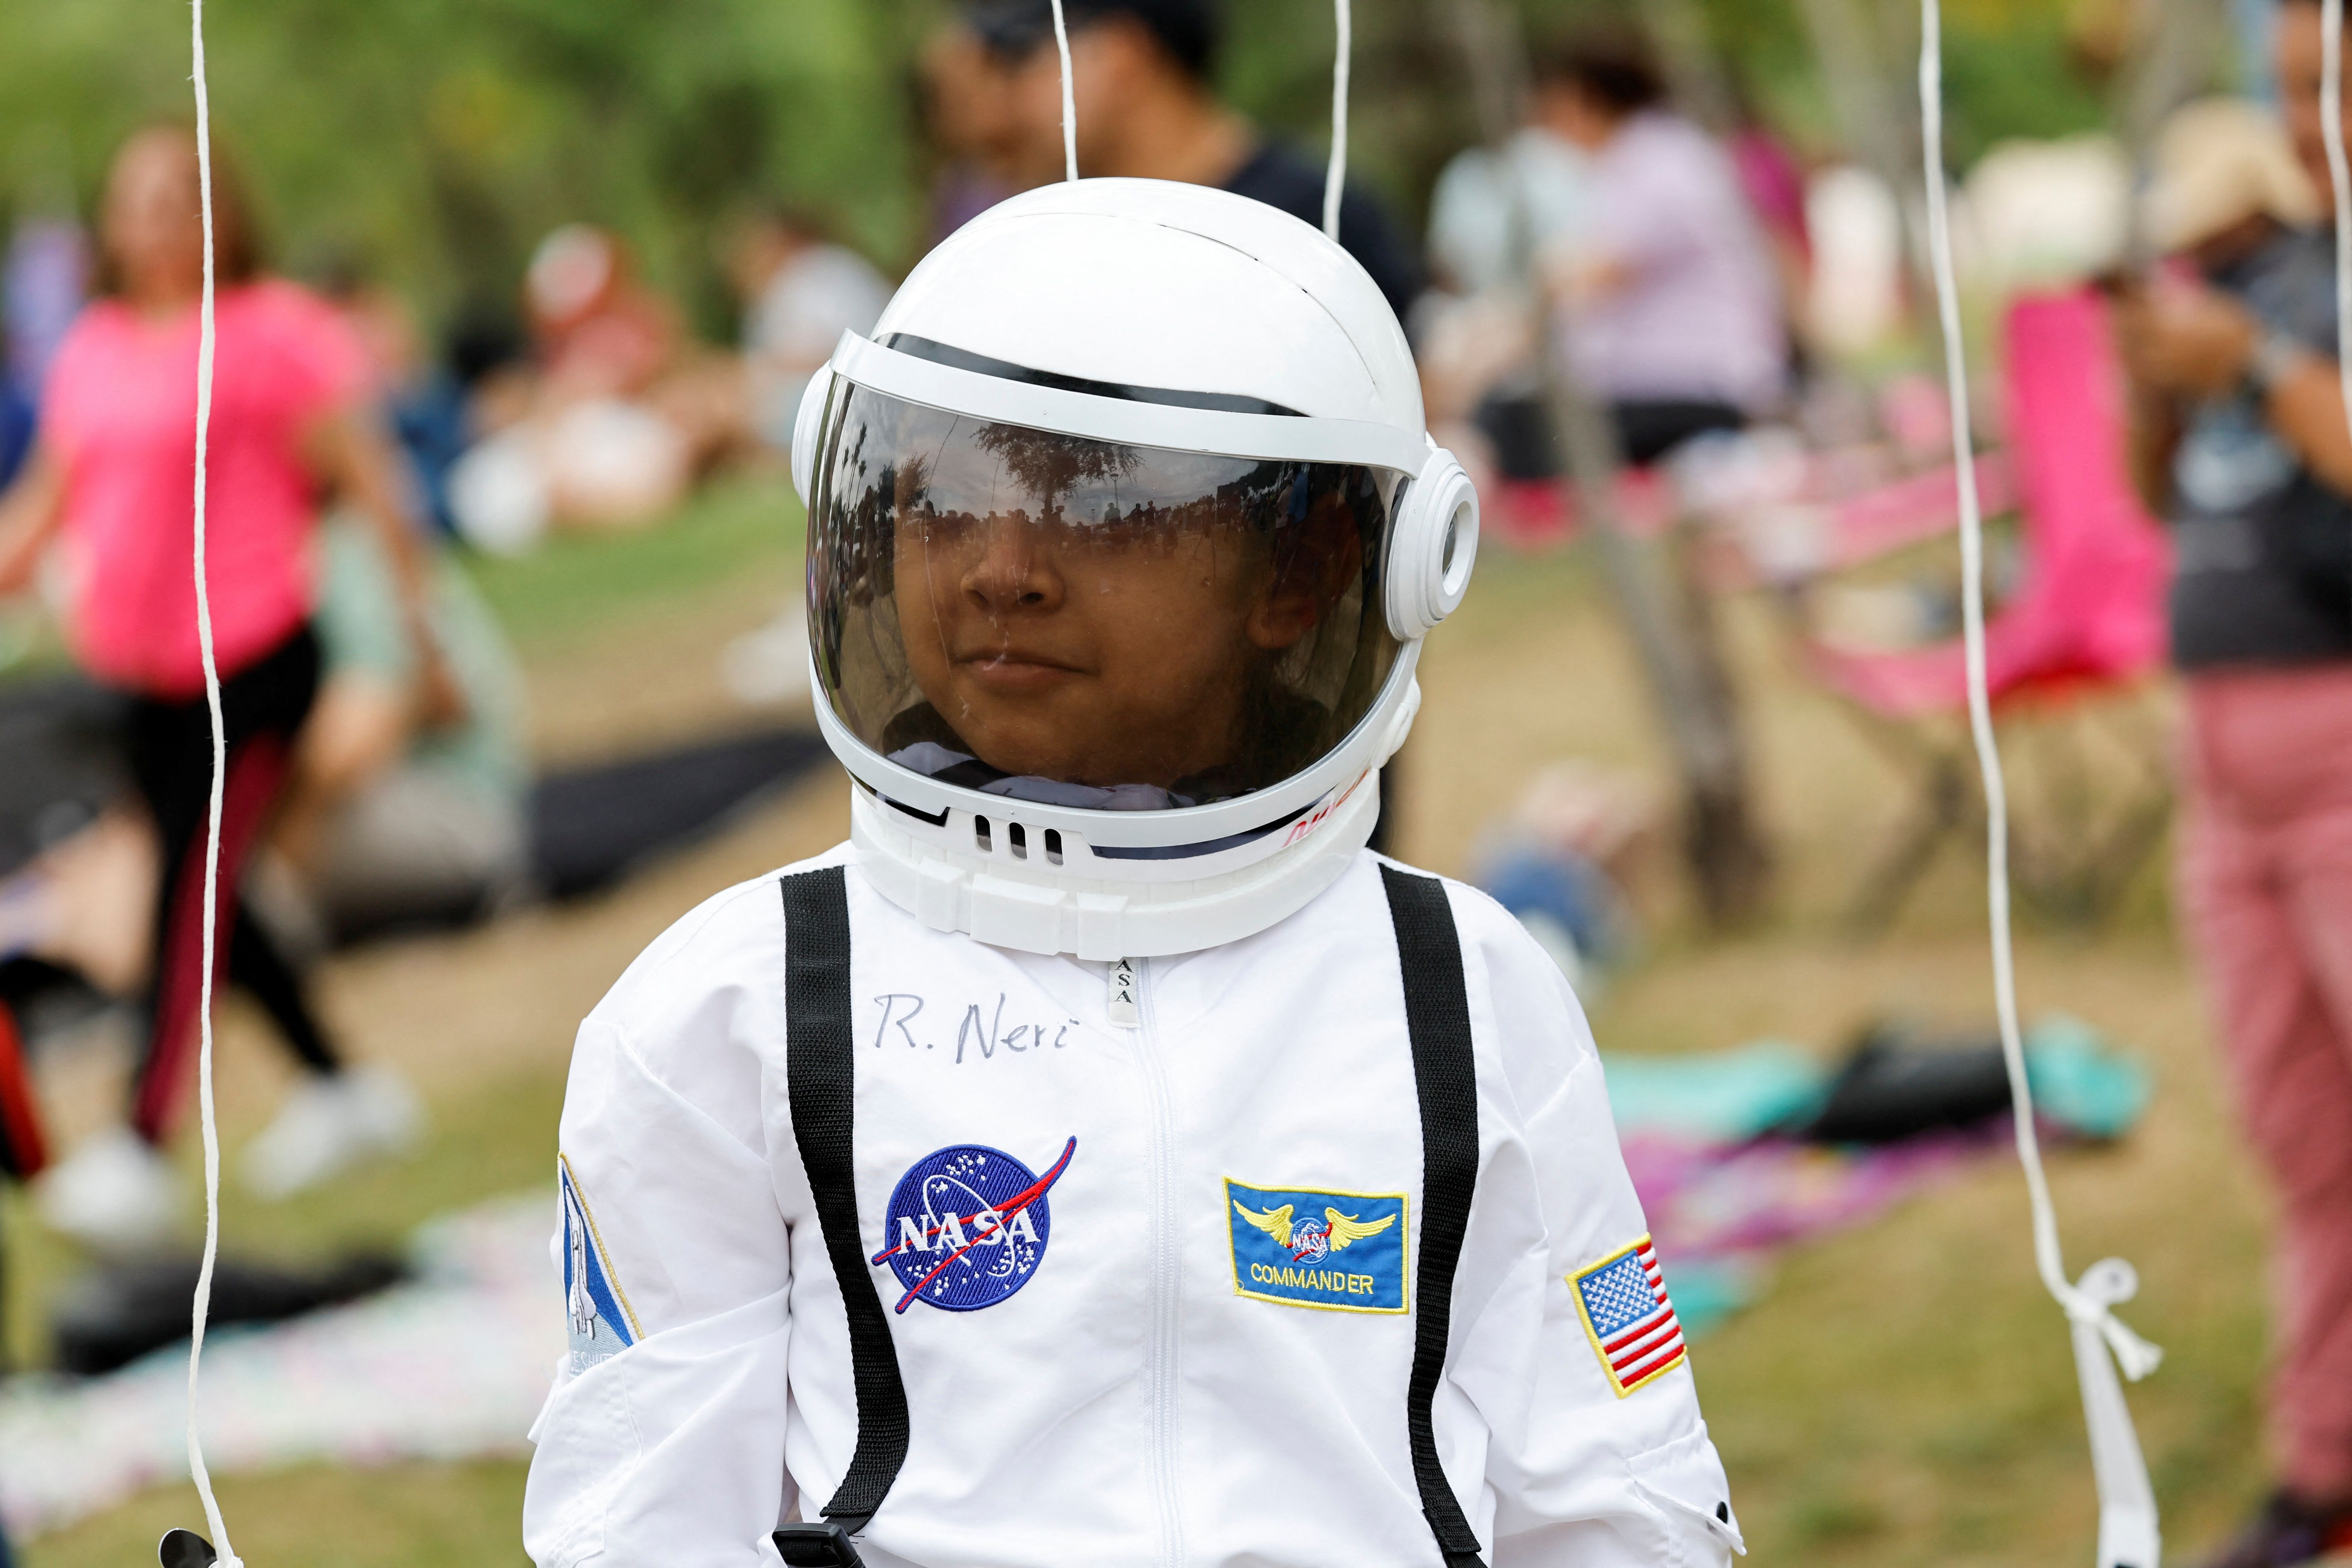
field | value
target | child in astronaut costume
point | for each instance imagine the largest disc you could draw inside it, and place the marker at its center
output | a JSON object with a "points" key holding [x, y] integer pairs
{"points": [[1102, 1159]]}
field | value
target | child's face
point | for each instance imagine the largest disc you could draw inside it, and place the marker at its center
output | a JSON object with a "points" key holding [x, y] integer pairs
{"points": [[1100, 653]]}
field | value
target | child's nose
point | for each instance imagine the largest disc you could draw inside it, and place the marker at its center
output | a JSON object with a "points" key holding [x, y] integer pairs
{"points": [[1014, 571]]}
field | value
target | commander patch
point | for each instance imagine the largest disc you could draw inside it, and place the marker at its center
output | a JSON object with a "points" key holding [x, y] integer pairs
{"points": [[597, 1319], [1629, 1317], [1303, 1247]]}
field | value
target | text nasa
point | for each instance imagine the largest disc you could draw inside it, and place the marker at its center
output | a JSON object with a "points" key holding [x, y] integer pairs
{"points": [[1329, 1279], [989, 1228]]}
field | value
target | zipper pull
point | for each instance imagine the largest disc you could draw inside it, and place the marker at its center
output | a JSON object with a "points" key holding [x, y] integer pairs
{"points": [[1124, 1013]]}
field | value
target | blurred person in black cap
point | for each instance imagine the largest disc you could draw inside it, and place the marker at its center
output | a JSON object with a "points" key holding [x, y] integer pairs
{"points": [[1146, 109]]}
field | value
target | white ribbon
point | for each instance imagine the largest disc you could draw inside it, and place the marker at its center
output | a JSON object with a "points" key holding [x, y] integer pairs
{"points": [[1069, 97], [1335, 174], [2128, 1537], [201, 1306]]}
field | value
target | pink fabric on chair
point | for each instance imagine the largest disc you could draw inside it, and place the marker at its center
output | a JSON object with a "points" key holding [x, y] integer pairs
{"points": [[2091, 608], [1910, 511]]}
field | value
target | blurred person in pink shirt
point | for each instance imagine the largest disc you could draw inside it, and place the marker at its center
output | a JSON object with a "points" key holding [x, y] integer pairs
{"points": [[111, 483], [1673, 311]]}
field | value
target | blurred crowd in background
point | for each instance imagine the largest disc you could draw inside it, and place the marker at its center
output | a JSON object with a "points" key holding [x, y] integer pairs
{"points": [[1742, 305]]}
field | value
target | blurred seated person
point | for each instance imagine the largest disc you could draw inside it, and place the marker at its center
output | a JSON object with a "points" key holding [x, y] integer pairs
{"points": [[599, 332], [1670, 305], [799, 291], [1146, 110], [406, 808], [428, 403], [2241, 439], [621, 419]]}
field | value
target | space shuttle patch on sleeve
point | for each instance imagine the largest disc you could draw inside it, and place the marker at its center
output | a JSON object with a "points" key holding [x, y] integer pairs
{"points": [[1627, 1317], [598, 1322]]}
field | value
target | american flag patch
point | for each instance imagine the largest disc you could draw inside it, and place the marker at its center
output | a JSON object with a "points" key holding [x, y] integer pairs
{"points": [[1629, 1318]]}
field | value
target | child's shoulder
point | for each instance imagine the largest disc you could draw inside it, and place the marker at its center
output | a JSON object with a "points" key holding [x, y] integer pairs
{"points": [[1478, 920], [1535, 1009], [732, 939]]}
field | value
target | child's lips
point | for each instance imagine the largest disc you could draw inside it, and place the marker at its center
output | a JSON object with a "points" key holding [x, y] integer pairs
{"points": [[1016, 672]]}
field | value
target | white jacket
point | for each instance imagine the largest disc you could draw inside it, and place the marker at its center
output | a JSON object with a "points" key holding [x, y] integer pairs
{"points": [[1139, 1373]]}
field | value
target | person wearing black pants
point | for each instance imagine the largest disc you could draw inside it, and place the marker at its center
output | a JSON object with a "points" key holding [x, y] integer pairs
{"points": [[262, 707], [119, 1190]]}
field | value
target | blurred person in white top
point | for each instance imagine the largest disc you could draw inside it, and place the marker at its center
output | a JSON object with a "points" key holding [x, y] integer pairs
{"points": [[800, 292], [1491, 210]]}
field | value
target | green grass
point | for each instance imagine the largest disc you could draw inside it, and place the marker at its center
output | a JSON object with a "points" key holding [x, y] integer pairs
{"points": [[579, 585], [400, 1516]]}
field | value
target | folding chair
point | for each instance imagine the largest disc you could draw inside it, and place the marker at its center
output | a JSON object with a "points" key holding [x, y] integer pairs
{"points": [[2086, 622]]}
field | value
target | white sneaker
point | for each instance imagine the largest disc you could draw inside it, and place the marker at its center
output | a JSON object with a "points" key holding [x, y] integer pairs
{"points": [[329, 1125], [115, 1193]]}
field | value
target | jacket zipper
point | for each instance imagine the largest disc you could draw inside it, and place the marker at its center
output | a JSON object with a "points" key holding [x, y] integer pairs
{"points": [[1166, 1272]]}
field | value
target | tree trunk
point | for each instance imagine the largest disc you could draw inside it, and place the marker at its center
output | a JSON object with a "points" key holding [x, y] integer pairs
{"points": [[1666, 613]]}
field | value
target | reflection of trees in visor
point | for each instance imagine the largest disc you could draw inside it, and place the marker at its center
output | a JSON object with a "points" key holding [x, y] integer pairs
{"points": [[1094, 624], [1049, 465]]}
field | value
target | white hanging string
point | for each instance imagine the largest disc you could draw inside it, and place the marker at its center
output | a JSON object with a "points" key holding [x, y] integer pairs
{"points": [[2128, 1522], [1069, 99], [1336, 174], [2339, 179], [203, 1305]]}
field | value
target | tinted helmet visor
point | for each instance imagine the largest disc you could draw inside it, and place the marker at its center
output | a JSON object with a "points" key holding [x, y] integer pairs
{"points": [[1077, 622]]}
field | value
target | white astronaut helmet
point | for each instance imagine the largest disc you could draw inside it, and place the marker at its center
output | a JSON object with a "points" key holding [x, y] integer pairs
{"points": [[1124, 534]]}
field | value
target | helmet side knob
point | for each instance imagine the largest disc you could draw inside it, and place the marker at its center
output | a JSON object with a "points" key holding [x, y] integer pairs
{"points": [[1431, 547]]}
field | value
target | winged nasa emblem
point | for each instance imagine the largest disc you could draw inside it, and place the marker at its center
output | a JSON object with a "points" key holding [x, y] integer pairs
{"points": [[1311, 1238]]}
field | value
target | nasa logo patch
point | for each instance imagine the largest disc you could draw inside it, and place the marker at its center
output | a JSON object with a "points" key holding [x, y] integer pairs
{"points": [[968, 1226], [1305, 1248]]}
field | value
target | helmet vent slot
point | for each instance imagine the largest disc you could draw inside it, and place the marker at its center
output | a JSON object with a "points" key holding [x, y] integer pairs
{"points": [[979, 834], [1054, 846], [1018, 837]]}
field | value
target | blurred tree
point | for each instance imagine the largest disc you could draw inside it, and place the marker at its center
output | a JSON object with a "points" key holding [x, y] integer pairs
{"points": [[437, 139]]}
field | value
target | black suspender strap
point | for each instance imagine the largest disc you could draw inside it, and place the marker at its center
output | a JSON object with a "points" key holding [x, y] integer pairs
{"points": [[1446, 1076], [822, 1068]]}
